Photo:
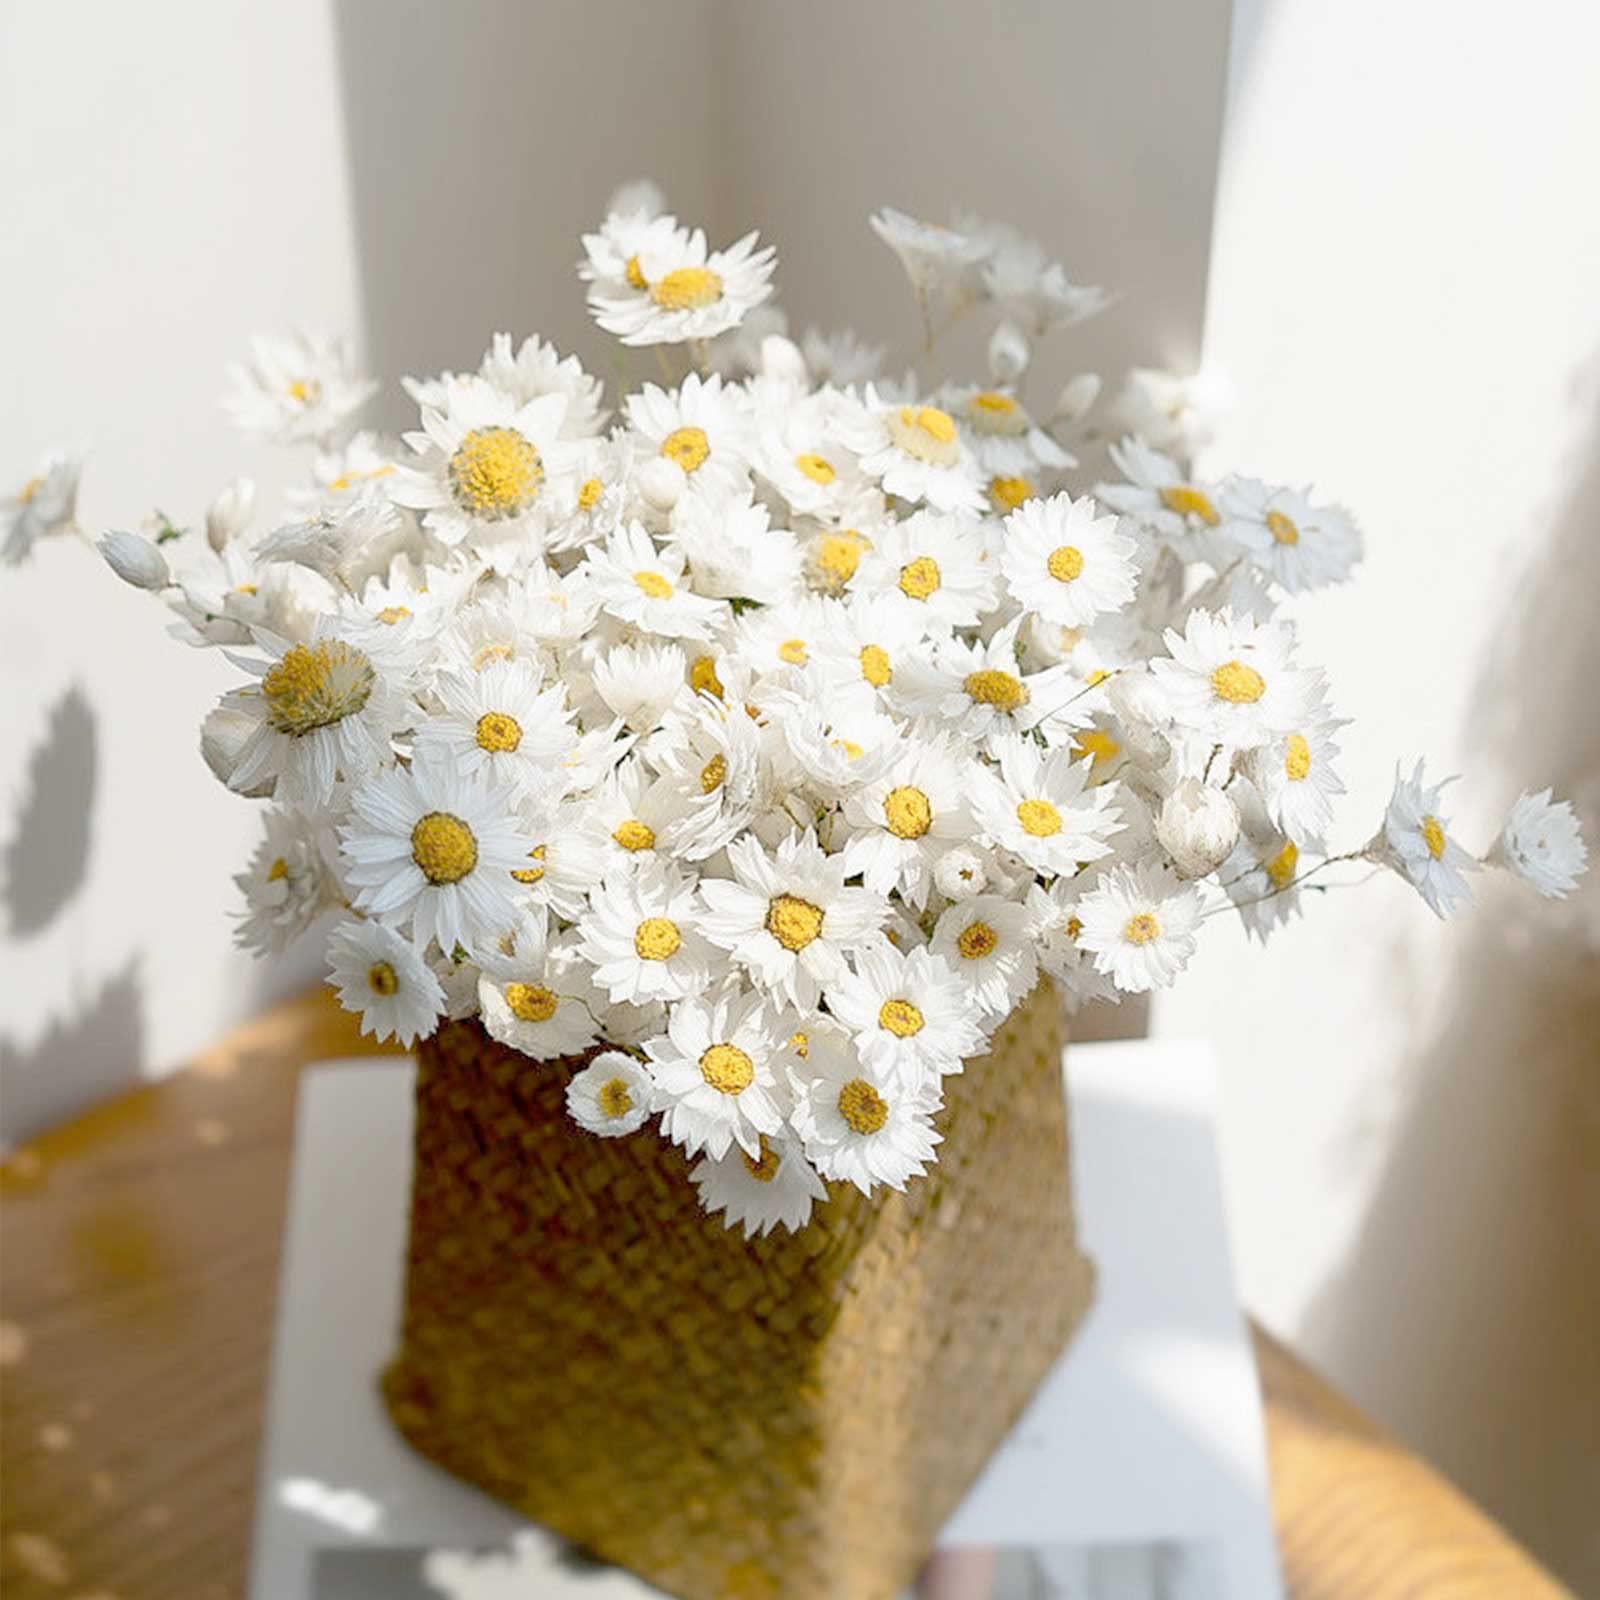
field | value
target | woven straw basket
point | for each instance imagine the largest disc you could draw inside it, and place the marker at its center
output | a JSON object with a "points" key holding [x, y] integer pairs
{"points": [[795, 1416]]}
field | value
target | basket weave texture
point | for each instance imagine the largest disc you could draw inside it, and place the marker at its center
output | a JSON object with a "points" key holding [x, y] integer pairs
{"points": [[794, 1416]]}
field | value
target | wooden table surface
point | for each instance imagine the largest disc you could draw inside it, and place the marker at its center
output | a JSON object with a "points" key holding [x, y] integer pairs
{"points": [[138, 1272]]}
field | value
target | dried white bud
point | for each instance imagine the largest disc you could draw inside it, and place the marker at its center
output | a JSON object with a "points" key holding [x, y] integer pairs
{"points": [[135, 560], [1076, 398], [229, 514], [961, 873], [1198, 827], [661, 481], [1008, 353], [781, 359], [222, 740]]}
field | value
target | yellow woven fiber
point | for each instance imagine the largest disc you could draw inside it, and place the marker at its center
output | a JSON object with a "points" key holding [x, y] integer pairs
{"points": [[794, 1416]]}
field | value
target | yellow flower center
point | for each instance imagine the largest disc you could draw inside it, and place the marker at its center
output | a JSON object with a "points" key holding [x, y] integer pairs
{"points": [[1009, 493], [875, 667], [687, 289], [315, 686], [653, 585], [634, 835], [713, 774], [589, 494], [531, 1002], [907, 812], [1238, 684], [495, 473], [305, 390], [800, 1043], [444, 848], [1188, 501], [497, 651], [498, 733], [634, 273], [26, 493], [862, 1107], [531, 874], [793, 922], [1073, 928], [689, 447], [819, 469], [657, 939], [1296, 757], [1065, 563], [388, 616], [1281, 867], [920, 577], [839, 555], [1001, 690], [900, 1018], [727, 1069], [852, 751], [382, 979], [993, 402], [1282, 528], [976, 941], [278, 869], [614, 1098], [1142, 928], [1039, 818], [925, 433], [703, 677], [348, 480], [1098, 744], [793, 651], [1433, 837], [764, 1169]]}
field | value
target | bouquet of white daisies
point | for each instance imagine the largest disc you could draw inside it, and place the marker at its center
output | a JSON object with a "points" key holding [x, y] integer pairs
{"points": [[771, 735]]}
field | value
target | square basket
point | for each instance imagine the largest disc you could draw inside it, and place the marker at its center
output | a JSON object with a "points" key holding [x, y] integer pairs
{"points": [[794, 1416]]}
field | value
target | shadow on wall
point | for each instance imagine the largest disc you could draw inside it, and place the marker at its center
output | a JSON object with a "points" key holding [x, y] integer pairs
{"points": [[1469, 1294], [47, 857], [78, 1061]]}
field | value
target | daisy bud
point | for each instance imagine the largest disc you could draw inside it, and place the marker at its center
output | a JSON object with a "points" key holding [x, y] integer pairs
{"points": [[1198, 827], [135, 560], [223, 735], [229, 514], [661, 482], [781, 359], [1076, 397], [1008, 353], [961, 873]]}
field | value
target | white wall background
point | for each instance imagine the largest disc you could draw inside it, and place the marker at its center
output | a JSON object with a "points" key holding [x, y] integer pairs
{"points": [[1405, 299]]}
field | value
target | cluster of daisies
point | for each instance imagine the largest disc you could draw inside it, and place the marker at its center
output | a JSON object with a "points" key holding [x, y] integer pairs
{"points": [[764, 740]]}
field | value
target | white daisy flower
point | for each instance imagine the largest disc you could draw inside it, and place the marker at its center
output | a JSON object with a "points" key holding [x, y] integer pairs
{"points": [[381, 978], [988, 942], [839, 743], [936, 567], [611, 1096], [1230, 681], [840, 358], [1416, 842], [710, 762], [536, 369], [866, 640], [1543, 844], [640, 682], [1008, 443], [490, 471], [286, 886], [44, 505], [801, 452], [646, 587], [1057, 928], [861, 1125], [675, 289], [539, 1003], [734, 553], [320, 711], [296, 388], [1295, 772], [1026, 285], [779, 640], [612, 253], [562, 863], [832, 558], [776, 1189], [1160, 496], [1169, 412], [788, 917], [1065, 562], [702, 428], [917, 452], [904, 820], [941, 263], [1259, 877], [716, 1073], [909, 1012], [627, 816], [1299, 545], [502, 723], [348, 472], [641, 934], [1139, 925], [963, 872], [435, 849]]}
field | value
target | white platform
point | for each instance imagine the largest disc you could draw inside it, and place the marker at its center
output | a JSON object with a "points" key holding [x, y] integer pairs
{"points": [[1149, 1431]]}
